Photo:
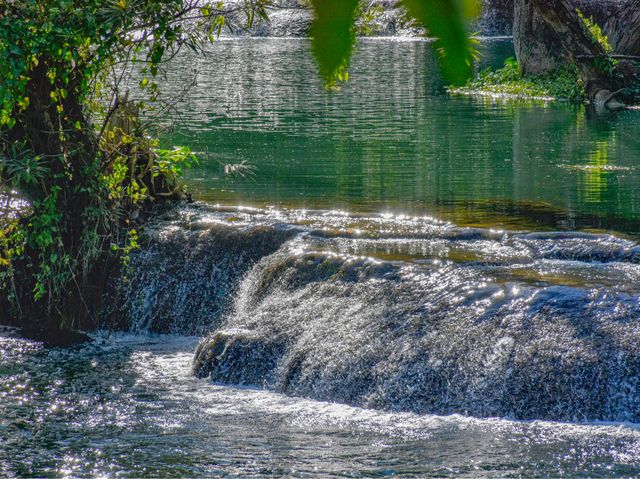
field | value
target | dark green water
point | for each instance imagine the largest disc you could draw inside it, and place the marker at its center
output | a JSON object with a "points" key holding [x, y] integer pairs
{"points": [[392, 141]]}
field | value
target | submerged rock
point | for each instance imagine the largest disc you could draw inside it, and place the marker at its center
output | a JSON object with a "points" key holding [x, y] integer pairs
{"points": [[54, 337]]}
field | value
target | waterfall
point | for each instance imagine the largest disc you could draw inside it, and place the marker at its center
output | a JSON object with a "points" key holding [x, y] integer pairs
{"points": [[184, 278], [496, 18], [400, 313]]}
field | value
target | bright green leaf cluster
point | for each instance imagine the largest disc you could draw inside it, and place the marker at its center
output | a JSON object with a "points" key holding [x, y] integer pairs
{"points": [[596, 32], [82, 181], [446, 20], [333, 34], [333, 37]]}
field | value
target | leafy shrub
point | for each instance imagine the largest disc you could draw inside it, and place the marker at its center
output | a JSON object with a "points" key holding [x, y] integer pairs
{"points": [[562, 84]]}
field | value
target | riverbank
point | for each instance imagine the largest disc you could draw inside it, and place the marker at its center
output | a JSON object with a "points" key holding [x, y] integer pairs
{"points": [[508, 82]]}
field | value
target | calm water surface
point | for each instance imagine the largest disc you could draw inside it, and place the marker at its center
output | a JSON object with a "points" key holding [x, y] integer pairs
{"points": [[391, 141]]}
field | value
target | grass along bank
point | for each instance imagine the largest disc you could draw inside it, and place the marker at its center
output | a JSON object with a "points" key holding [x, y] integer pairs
{"points": [[564, 84]]}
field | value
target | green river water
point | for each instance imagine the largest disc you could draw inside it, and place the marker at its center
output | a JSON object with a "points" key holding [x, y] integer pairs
{"points": [[392, 141]]}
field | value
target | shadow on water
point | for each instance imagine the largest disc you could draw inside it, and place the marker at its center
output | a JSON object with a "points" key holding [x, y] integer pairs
{"points": [[532, 216]]}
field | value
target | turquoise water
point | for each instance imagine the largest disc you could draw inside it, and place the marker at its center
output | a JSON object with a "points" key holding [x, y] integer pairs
{"points": [[393, 141]]}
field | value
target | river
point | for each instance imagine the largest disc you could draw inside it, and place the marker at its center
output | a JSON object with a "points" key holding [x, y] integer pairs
{"points": [[404, 284], [390, 141]]}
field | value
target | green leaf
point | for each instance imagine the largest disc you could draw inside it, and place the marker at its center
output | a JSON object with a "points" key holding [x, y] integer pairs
{"points": [[446, 21], [333, 37]]}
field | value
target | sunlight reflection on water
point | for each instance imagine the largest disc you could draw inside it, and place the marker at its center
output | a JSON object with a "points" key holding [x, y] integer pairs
{"points": [[163, 422]]}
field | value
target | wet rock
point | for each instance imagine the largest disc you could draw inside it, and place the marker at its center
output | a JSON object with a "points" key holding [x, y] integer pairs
{"points": [[496, 18], [523, 325], [237, 357], [54, 337]]}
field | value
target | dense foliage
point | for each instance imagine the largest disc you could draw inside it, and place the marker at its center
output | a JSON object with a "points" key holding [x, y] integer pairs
{"points": [[562, 84], [85, 167], [73, 148]]}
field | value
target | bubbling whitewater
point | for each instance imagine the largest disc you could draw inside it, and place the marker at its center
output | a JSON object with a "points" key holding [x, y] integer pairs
{"points": [[399, 313], [127, 406]]}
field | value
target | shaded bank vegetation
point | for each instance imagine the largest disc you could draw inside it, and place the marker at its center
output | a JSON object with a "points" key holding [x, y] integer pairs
{"points": [[562, 83], [73, 148], [564, 53]]}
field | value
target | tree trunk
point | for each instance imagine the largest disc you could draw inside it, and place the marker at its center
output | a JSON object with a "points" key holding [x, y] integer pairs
{"points": [[623, 29], [535, 42], [550, 33], [71, 180]]}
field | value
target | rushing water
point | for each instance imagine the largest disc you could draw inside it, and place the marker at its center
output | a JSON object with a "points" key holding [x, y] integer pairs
{"points": [[399, 313], [128, 406], [411, 254]]}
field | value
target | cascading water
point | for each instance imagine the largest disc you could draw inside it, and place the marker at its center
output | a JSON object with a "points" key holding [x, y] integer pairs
{"points": [[401, 313], [495, 19], [186, 276]]}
